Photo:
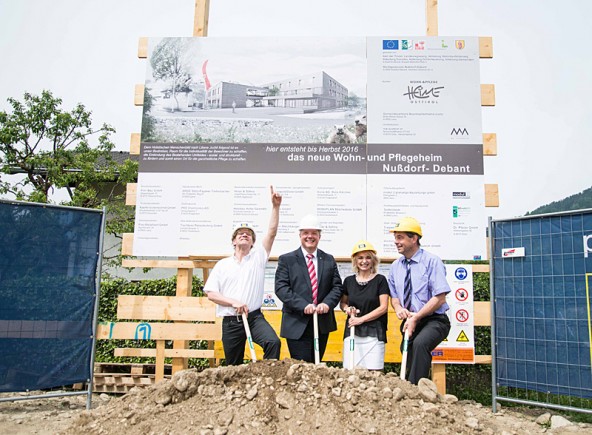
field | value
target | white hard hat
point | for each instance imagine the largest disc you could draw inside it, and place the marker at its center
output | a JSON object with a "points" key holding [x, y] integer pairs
{"points": [[310, 222]]}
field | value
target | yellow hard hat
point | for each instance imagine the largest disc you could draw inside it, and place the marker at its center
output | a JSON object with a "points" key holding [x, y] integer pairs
{"points": [[361, 246], [407, 225]]}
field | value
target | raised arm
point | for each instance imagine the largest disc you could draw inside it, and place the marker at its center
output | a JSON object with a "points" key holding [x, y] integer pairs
{"points": [[276, 200]]}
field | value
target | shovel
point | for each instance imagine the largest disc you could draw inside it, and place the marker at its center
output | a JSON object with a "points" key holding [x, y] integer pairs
{"points": [[315, 321], [249, 338], [404, 358], [352, 342]]}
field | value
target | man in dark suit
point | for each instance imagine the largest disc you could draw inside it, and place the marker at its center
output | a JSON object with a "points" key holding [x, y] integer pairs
{"points": [[307, 281]]}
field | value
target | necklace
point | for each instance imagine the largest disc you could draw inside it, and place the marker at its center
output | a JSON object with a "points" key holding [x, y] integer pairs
{"points": [[363, 281]]}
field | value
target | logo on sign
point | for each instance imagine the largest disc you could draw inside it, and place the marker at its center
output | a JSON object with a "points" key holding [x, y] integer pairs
{"points": [[406, 44], [462, 337], [462, 294], [459, 44], [461, 195], [421, 93], [587, 245], [462, 315], [459, 132], [390, 44], [513, 252], [461, 273]]}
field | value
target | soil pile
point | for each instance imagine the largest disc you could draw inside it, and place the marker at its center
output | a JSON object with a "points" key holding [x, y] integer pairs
{"points": [[290, 397]]}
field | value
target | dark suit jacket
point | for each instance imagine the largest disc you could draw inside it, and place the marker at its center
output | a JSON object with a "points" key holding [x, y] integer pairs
{"points": [[292, 286]]}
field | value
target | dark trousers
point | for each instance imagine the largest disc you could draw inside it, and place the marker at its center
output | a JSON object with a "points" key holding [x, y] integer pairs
{"points": [[303, 348], [234, 337], [428, 334]]}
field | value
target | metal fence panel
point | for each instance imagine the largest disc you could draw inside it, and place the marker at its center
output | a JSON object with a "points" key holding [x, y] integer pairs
{"points": [[542, 279], [48, 273]]}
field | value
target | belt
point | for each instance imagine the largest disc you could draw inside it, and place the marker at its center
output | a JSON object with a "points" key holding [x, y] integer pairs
{"points": [[239, 318]]}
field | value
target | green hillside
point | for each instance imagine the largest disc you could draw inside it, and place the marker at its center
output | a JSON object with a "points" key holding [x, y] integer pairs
{"points": [[574, 202]]}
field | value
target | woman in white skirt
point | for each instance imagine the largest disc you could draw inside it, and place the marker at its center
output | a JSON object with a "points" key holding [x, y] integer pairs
{"points": [[365, 301]]}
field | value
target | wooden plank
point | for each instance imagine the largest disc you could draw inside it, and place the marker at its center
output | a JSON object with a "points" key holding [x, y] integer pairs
{"points": [[139, 95], [201, 18], [439, 377], [159, 331], [432, 17], [487, 95], [489, 144], [131, 193], [127, 244], [143, 47], [168, 353], [135, 140], [166, 308], [485, 47], [483, 359], [159, 371], [184, 286], [482, 313], [170, 264], [491, 195], [480, 268]]}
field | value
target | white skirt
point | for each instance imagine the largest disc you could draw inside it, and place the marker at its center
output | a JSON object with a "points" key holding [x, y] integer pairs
{"points": [[368, 353]]}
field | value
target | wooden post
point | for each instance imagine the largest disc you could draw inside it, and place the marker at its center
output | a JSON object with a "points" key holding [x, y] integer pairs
{"points": [[439, 377], [202, 13], [432, 17]]}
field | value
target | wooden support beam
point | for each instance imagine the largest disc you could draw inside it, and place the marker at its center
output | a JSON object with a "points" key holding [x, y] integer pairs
{"points": [[482, 313], [127, 244], [135, 140], [130, 193], [485, 47], [184, 286], [159, 369], [158, 331], [168, 353], [439, 377], [168, 264], [201, 19], [489, 144], [491, 195], [143, 48], [432, 17], [187, 308], [139, 95], [488, 95]]}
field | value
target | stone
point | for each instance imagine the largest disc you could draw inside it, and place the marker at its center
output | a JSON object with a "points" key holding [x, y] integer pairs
{"points": [[283, 399], [543, 419], [450, 398], [427, 390], [252, 393], [559, 421], [472, 423]]}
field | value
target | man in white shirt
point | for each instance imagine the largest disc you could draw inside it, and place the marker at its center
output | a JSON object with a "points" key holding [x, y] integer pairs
{"points": [[236, 285]]}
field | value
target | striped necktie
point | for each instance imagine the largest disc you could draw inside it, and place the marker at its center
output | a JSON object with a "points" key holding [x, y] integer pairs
{"points": [[313, 278], [408, 287]]}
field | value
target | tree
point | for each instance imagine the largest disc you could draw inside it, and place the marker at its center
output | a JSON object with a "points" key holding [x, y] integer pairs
{"points": [[51, 147], [170, 63]]}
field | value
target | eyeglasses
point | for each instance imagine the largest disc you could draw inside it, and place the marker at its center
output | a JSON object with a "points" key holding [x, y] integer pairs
{"points": [[244, 233]]}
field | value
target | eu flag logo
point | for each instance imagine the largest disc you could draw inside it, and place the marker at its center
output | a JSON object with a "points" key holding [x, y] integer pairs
{"points": [[390, 44]]}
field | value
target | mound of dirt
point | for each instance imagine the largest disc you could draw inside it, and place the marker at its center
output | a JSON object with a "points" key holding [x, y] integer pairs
{"points": [[291, 397]]}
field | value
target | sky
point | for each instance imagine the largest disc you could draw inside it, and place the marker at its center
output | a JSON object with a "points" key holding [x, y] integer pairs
{"points": [[86, 51]]}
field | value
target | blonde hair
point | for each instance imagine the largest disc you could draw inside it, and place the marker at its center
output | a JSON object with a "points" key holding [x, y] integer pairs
{"points": [[373, 256]]}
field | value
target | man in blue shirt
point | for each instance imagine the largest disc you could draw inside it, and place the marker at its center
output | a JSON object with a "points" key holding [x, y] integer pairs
{"points": [[418, 286]]}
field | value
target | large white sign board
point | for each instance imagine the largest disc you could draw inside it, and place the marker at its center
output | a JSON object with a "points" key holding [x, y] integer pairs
{"points": [[421, 159]]}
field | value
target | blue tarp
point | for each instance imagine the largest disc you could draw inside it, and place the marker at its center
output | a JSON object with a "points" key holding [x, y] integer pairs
{"points": [[48, 272]]}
